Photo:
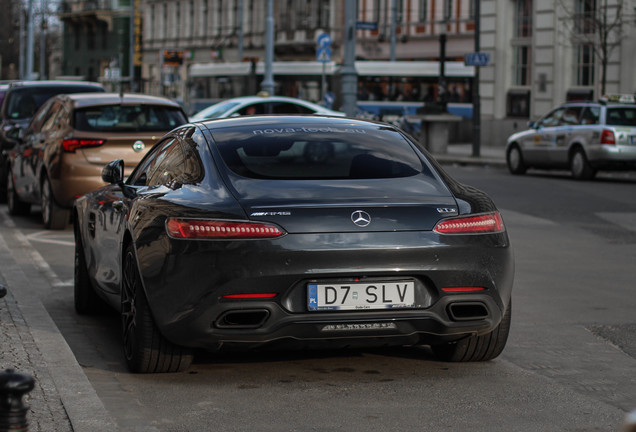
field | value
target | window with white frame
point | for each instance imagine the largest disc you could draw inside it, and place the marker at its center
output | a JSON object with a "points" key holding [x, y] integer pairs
{"points": [[422, 14], [523, 19], [584, 65], [584, 16], [521, 65]]}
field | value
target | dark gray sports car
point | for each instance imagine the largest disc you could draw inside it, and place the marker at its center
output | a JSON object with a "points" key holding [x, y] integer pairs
{"points": [[292, 230]]}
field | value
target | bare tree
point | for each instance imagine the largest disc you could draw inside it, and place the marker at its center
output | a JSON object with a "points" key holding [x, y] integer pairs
{"points": [[597, 24]]}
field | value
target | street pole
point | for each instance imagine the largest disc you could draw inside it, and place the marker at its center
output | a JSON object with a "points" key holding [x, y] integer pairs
{"points": [[476, 103], [240, 30], [21, 72], [29, 43], [43, 42], [131, 48], [393, 27], [268, 82], [349, 73]]}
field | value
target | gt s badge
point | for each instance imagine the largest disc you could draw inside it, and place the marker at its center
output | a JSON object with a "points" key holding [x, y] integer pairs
{"points": [[446, 210]]}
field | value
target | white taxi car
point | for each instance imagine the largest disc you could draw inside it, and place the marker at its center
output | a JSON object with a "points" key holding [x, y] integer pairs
{"points": [[584, 137]]}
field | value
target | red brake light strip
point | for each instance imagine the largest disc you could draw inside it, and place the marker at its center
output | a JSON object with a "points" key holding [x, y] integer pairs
{"points": [[476, 224], [215, 229]]}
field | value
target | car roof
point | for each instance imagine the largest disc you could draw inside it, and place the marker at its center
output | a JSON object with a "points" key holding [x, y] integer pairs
{"points": [[80, 100], [53, 83], [301, 120]]}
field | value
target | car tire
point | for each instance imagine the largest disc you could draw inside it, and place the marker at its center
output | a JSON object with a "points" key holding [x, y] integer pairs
{"points": [[145, 348], [580, 167], [53, 216], [87, 302], [15, 205], [477, 348], [514, 160]]}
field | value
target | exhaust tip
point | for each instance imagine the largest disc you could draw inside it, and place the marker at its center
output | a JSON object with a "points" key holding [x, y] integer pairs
{"points": [[250, 318], [467, 311]]}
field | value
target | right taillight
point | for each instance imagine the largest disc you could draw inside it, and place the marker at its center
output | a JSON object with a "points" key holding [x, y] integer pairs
{"points": [[70, 145], [607, 137], [486, 223]]}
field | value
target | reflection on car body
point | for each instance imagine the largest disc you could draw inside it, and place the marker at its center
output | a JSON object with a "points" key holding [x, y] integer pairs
{"points": [[224, 237], [582, 136]]}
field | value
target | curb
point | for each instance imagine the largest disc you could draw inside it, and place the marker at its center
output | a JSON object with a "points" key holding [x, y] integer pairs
{"points": [[53, 357], [469, 160]]}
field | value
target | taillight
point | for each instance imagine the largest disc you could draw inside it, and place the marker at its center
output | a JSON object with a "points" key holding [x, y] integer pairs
{"points": [[476, 224], [462, 289], [250, 296], [216, 229], [607, 137], [70, 145]]}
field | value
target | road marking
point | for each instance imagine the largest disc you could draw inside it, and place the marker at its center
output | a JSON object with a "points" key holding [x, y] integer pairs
{"points": [[38, 260], [52, 237], [624, 220]]}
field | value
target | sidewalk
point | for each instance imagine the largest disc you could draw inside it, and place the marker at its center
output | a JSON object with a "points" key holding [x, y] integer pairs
{"points": [[461, 154], [63, 399]]}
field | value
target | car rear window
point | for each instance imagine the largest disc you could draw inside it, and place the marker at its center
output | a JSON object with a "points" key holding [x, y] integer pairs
{"points": [[128, 118], [621, 116], [25, 101], [317, 152]]}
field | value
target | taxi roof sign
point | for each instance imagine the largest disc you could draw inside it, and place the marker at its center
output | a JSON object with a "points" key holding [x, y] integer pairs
{"points": [[620, 98]]}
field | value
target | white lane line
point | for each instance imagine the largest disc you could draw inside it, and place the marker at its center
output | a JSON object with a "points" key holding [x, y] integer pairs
{"points": [[51, 238], [37, 259]]}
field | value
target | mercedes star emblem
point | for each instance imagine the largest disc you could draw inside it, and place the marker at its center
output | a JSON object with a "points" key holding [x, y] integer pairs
{"points": [[138, 146], [360, 218]]}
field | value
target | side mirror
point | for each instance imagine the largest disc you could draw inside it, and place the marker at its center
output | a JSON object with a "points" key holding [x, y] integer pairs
{"points": [[113, 173], [15, 133], [532, 124]]}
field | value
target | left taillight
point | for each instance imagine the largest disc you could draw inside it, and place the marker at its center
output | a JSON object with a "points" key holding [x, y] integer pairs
{"points": [[182, 228], [70, 145], [486, 223]]}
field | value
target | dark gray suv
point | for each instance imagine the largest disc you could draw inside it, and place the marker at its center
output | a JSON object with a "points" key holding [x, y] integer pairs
{"points": [[21, 100]]}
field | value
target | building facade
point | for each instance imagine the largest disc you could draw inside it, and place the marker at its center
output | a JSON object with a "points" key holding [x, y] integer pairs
{"points": [[547, 52]]}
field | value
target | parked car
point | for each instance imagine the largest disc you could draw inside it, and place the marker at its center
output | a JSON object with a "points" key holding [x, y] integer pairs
{"points": [[72, 137], [220, 238], [251, 105], [581, 136], [21, 100]]}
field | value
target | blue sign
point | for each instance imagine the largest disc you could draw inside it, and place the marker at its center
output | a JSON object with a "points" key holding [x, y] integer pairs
{"points": [[366, 25], [324, 40], [477, 59], [323, 54]]}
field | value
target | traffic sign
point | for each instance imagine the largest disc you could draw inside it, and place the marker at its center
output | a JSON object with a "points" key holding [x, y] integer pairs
{"points": [[477, 59], [323, 55], [324, 40], [366, 25]]}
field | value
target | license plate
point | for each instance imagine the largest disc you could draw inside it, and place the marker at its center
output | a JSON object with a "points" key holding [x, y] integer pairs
{"points": [[361, 295]]}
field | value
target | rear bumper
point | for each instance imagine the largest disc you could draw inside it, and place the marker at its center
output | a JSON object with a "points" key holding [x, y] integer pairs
{"points": [[185, 283], [612, 156]]}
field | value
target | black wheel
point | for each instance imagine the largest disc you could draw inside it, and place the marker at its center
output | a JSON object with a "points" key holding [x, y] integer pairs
{"points": [[514, 160], [16, 207], [580, 167], [86, 299], [53, 216], [145, 348], [477, 348]]}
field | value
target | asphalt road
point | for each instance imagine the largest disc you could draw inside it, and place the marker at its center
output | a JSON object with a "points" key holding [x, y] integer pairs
{"points": [[569, 365]]}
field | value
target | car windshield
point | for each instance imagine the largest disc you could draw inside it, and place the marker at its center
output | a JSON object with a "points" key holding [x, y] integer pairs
{"points": [[128, 118], [621, 116], [23, 102], [317, 152], [214, 111]]}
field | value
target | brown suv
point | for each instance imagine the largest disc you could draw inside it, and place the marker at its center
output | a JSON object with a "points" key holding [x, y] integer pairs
{"points": [[62, 152]]}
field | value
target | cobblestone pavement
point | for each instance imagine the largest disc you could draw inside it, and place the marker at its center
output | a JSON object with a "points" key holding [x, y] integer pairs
{"points": [[21, 353]]}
